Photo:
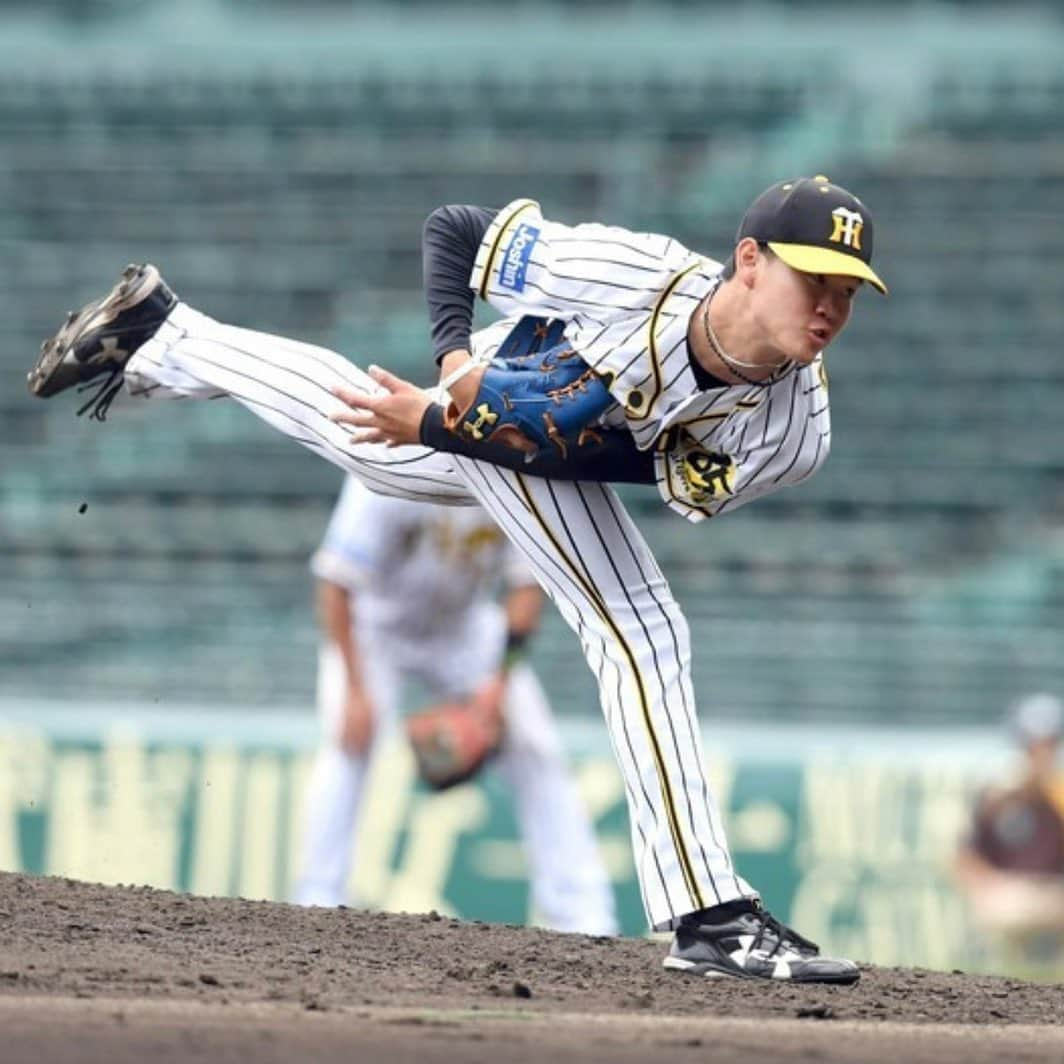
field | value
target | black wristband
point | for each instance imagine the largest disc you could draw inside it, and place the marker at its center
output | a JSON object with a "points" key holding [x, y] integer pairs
{"points": [[516, 645]]}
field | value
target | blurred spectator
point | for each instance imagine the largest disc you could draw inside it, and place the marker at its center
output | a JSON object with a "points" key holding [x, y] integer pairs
{"points": [[1011, 865]]}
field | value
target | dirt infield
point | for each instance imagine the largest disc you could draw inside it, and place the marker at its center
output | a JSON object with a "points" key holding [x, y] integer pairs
{"points": [[92, 973]]}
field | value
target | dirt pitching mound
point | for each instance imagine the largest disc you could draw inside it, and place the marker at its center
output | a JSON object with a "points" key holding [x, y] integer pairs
{"points": [[112, 973]]}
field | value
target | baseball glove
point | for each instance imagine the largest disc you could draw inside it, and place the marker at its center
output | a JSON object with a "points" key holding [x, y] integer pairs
{"points": [[541, 401], [451, 741]]}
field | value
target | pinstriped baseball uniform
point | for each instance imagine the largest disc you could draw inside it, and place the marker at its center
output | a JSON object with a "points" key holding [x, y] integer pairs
{"points": [[577, 538], [627, 304], [627, 299]]}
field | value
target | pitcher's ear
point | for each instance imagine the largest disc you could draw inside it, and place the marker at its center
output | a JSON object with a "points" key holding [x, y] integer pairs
{"points": [[747, 253]]}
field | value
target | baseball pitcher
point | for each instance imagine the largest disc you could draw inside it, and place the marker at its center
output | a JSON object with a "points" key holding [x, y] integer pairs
{"points": [[622, 356]]}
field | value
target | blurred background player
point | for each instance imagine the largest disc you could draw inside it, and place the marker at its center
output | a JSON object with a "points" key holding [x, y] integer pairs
{"points": [[405, 590], [1011, 865]]}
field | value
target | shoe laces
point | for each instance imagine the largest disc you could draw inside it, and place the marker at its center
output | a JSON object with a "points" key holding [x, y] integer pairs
{"points": [[101, 402], [771, 928]]}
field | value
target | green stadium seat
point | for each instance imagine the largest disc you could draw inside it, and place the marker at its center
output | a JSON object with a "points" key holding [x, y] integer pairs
{"points": [[887, 585]]}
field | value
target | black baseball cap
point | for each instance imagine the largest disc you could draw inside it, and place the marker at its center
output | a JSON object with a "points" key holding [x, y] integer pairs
{"points": [[815, 227]]}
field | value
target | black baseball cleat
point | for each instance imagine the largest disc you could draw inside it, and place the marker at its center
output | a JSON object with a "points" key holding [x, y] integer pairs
{"points": [[741, 939], [100, 338]]}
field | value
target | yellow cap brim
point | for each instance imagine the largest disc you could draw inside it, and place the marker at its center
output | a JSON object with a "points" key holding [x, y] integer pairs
{"points": [[808, 258]]}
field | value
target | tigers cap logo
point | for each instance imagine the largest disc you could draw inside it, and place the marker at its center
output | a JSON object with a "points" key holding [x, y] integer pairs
{"points": [[847, 227]]}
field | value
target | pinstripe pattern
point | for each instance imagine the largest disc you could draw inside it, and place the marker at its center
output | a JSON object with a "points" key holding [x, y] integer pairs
{"points": [[595, 565], [577, 538], [572, 553], [287, 384], [628, 298]]}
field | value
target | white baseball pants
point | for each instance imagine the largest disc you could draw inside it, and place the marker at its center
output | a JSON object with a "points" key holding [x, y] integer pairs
{"points": [[583, 547], [570, 887]]}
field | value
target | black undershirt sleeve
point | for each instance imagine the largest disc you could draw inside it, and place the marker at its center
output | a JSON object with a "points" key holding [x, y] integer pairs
{"points": [[449, 242], [615, 460]]}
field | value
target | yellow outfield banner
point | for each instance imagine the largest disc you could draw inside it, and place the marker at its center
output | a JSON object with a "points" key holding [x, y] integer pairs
{"points": [[848, 833]]}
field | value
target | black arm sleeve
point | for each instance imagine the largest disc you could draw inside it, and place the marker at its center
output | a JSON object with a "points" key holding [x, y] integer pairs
{"points": [[615, 460], [449, 242]]}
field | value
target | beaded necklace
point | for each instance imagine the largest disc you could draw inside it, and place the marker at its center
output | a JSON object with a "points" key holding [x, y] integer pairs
{"points": [[733, 364]]}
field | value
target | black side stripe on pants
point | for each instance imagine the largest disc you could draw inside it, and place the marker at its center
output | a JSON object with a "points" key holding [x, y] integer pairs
{"points": [[609, 555], [691, 715], [480, 471], [600, 607]]}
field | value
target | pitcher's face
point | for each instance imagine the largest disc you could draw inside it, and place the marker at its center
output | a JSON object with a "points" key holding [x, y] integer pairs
{"points": [[800, 314]]}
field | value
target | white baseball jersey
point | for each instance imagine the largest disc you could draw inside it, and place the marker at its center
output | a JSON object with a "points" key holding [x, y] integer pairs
{"points": [[425, 574], [627, 299], [424, 579]]}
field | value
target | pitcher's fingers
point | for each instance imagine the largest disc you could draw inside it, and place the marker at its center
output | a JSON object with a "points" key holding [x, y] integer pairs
{"points": [[368, 436], [358, 419], [354, 416], [388, 380], [357, 399]]}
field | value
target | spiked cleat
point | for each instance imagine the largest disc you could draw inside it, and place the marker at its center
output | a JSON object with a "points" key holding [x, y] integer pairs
{"points": [[100, 338]]}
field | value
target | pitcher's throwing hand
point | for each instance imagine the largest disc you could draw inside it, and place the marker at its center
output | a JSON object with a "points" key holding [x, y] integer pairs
{"points": [[391, 416]]}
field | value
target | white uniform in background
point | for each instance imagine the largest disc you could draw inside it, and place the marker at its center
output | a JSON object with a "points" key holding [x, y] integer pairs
{"points": [[422, 580]]}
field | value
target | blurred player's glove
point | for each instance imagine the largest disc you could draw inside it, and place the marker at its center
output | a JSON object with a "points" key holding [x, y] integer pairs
{"points": [[451, 741], [545, 401]]}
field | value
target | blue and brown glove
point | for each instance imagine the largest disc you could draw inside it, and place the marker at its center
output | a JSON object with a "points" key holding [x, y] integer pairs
{"points": [[544, 401]]}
